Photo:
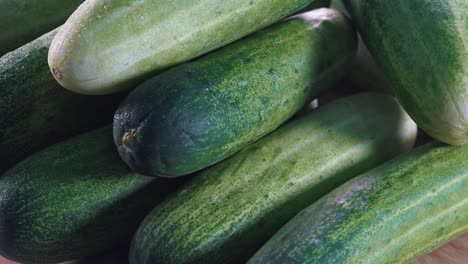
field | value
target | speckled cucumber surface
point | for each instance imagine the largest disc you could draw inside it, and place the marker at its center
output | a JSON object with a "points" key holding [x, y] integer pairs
{"points": [[422, 47], [110, 45], [228, 211], [35, 111], [199, 113], [391, 214], [22, 21], [72, 200]]}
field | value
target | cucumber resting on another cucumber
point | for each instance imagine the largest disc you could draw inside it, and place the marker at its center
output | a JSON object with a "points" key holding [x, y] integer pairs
{"points": [[391, 214], [107, 46], [199, 113], [228, 211], [422, 47], [35, 111]]}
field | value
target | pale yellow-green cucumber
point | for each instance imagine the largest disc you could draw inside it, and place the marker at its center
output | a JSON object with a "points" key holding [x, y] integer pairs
{"points": [[107, 46]]}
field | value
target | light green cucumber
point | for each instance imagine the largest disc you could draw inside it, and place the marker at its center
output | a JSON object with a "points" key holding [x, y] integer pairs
{"points": [[35, 111], [228, 211], [422, 47], [107, 46], [391, 214], [72, 200], [22, 21]]}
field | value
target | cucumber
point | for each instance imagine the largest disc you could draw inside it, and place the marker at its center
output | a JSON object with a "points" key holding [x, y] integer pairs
{"points": [[392, 214], [422, 48], [22, 21], [228, 211], [201, 112], [35, 111], [73, 199], [107, 46]]}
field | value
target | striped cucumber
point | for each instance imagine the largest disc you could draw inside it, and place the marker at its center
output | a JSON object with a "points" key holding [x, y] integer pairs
{"points": [[228, 211], [22, 21], [108, 46], [71, 200], [422, 47], [199, 113], [392, 214], [35, 111]]}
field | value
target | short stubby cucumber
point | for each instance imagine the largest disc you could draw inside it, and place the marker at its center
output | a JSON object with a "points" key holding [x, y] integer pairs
{"points": [[73, 199], [110, 45], [35, 111], [228, 211], [391, 214], [422, 47], [201, 112], [22, 21]]}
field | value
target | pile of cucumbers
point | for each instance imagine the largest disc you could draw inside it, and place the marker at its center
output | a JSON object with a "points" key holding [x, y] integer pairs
{"points": [[183, 130]]}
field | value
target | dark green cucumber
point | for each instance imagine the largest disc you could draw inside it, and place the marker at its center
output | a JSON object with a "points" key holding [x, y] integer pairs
{"points": [[73, 199], [228, 211], [201, 112], [21, 21], [35, 111], [392, 214], [422, 47]]}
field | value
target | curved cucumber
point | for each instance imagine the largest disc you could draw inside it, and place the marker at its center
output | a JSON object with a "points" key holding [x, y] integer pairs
{"points": [[392, 214], [228, 211], [201, 112], [35, 111], [21, 21], [73, 199], [422, 46], [108, 46]]}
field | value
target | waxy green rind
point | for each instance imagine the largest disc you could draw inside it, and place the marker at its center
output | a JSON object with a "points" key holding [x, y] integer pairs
{"points": [[73, 199], [391, 214], [201, 112], [107, 46], [22, 21], [228, 211], [35, 111], [422, 47]]}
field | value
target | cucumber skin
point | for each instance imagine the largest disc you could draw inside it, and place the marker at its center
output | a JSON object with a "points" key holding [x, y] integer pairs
{"points": [[35, 111], [425, 59], [373, 218], [108, 46], [227, 212], [22, 21], [72, 200], [201, 112]]}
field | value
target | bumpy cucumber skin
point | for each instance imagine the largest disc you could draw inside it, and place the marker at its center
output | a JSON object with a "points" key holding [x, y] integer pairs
{"points": [[227, 212], [392, 214], [35, 111], [22, 21], [72, 200], [110, 45], [422, 47], [201, 112]]}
